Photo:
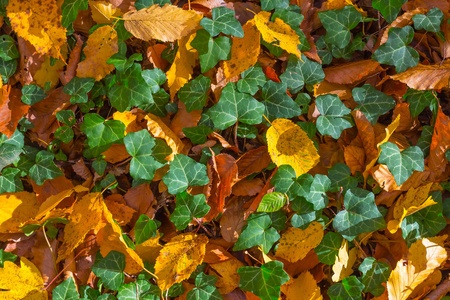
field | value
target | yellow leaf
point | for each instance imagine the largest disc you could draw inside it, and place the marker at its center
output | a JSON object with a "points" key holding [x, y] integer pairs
{"points": [[39, 22], [21, 283], [49, 72], [16, 209], [415, 200], [304, 287], [183, 65], [244, 51], [129, 119], [228, 279], [296, 243], [86, 216], [389, 131], [179, 258], [344, 262], [288, 144], [103, 12], [100, 46], [149, 250], [168, 23], [160, 130], [277, 33], [110, 238], [424, 257]]}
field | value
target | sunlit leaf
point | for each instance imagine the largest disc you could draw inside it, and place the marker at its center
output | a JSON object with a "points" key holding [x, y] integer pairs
{"points": [[194, 93], [338, 23], [188, 207], [66, 290], [223, 20], [210, 50], [388, 8]]}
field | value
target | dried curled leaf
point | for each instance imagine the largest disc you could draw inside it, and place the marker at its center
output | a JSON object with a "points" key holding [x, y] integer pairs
{"points": [[426, 77], [168, 23]]}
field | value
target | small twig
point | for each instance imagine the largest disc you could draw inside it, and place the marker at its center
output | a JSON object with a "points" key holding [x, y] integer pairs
{"points": [[441, 290]]}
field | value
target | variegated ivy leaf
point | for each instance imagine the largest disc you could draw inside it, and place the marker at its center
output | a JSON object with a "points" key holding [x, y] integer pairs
{"points": [[301, 72], [338, 23], [70, 10], [431, 21], [388, 8], [396, 52], [210, 50], [374, 274], [372, 102], [154, 78], [277, 102], [328, 248], [205, 288], [44, 168], [10, 181], [401, 164], [78, 88], [11, 148], [32, 94], [251, 80], [332, 111]]}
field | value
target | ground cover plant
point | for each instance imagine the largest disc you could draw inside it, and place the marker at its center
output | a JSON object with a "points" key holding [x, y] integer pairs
{"points": [[212, 149]]}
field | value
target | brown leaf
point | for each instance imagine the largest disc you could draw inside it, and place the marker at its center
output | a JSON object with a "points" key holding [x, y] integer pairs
{"points": [[184, 119], [350, 73], [402, 21], [248, 187], [232, 220], [426, 77], [367, 135], [142, 200], [12, 109], [253, 161], [440, 143]]}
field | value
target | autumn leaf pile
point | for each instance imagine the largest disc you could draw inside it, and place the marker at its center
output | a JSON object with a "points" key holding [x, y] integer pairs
{"points": [[213, 149]]}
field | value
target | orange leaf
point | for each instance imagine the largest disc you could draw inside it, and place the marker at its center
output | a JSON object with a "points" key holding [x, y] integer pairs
{"points": [[228, 279], [100, 46], [244, 51], [12, 109], [38, 22], [426, 77], [350, 73], [253, 161], [149, 250], [179, 258], [440, 143], [304, 287], [367, 135], [184, 119]]}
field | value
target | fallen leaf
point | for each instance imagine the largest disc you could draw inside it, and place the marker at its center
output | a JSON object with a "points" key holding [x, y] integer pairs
{"points": [[100, 46], [440, 143], [103, 12], [350, 73], [16, 209], [426, 77], [344, 262], [295, 243], [179, 258], [288, 144], [24, 282], [11, 109], [228, 279], [253, 161], [168, 23], [304, 287]]}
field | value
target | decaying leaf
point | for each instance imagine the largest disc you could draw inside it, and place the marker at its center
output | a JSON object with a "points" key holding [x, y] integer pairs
{"points": [[167, 23], [179, 258], [426, 77], [288, 144]]}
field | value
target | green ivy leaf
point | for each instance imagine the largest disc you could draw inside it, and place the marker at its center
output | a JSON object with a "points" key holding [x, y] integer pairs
{"points": [[161, 151], [251, 80], [401, 164], [210, 50], [188, 207], [11, 148], [317, 193], [332, 111], [161, 98], [341, 177], [271, 202], [301, 72], [350, 288], [121, 62], [140, 4], [285, 181], [396, 52], [424, 223], [7, 68], [197, 134], [372, 103], [64, 134], [277, 102], [347, 52], [10, 181], [268, 5], [234, 106], [430, 22], [132, 90], [205, 288], [305, 213], [292, 16], [8, 49], [388, 8], [70, 10], [101, 134], [32, 94], [223, 20], [78, 88], [360, 215], [338, 23], [66, 290], [257, 232], [194, 93], [110, 269], [374, 274], [67, 117], [154, 78], [246, 131], [418, 100], [99, 166], [6, 256], [264, 281], [44, 168], [424, 142], [303, 101], [184, 172], [329, 247], [144, 229], [304, 182], [140, 289], [139, 145]]}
